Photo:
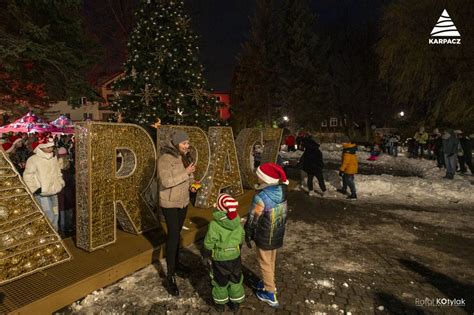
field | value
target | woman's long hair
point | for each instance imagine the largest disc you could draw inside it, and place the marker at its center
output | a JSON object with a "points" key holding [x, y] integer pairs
{"points": [[186, 158]]}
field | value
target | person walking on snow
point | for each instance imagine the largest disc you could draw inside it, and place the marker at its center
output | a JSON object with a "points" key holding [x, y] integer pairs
{"points": [[44, 179], [312, 163], [450, 149], [466, 157], [349, 168], [222, 245], [266, 226], [421, 137], [438, 148]]}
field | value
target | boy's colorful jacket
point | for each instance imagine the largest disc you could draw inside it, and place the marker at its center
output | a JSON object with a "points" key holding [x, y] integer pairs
{"points": [[349, 159], [224, 237], [267, 217]]}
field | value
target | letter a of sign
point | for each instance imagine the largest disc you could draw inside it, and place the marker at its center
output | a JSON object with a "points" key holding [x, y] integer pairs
{"points": [[223, 174], [28, 242], [115, 164]]}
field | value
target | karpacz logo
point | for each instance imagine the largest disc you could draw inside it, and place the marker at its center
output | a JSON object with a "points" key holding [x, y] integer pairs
{"points": [[445, 32]]}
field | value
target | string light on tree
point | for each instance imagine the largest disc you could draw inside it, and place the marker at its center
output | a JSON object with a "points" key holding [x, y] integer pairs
{"points": [[165, 73]]}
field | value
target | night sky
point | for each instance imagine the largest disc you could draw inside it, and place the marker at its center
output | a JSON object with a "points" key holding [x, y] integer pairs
{"points": [[223, 26]]}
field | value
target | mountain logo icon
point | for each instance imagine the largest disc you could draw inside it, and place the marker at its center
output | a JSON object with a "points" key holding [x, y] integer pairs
{"points": [[445, 28]]}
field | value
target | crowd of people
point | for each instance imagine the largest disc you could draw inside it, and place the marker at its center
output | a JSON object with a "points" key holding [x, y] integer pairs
{"points": [[451, 149], [46, 164]]}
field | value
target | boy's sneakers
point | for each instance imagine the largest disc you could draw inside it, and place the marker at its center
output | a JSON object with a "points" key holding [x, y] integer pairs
{"points": [[260, 286], [312, 193], [268, 297], [352, 197], [342, 191]]}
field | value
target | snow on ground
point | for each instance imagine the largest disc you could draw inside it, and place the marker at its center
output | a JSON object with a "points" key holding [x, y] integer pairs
{"points": [[431, 187]]}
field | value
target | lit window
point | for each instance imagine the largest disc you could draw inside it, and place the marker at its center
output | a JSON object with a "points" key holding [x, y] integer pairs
{"points": [[333, 122], [324, 123]]}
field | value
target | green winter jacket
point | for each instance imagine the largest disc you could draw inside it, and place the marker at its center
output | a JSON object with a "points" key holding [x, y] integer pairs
{"points": [[224, 237]]}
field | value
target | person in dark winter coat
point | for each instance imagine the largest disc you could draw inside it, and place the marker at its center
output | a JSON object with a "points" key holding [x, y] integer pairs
{"points": [[266, 226], [466, 157], [450, 149], [222, 245], [438, 148], [312, 163]]}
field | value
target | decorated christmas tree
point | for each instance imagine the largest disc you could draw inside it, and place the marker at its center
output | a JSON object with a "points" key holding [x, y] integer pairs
{"points": [[163, 76]]}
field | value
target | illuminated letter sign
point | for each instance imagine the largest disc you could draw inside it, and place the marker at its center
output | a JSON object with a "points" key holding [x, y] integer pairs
{"points": [[115, 164], [223, 173], [270, 138]]}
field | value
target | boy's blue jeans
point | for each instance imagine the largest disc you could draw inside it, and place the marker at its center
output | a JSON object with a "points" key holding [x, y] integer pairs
{"points": [[348, 180]]}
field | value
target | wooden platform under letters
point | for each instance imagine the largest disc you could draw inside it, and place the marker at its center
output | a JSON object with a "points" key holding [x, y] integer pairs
{"points": [[54, 288]]}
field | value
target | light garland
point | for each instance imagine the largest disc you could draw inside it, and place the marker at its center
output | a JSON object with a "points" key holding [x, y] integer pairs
{"points": [[28, 242]]}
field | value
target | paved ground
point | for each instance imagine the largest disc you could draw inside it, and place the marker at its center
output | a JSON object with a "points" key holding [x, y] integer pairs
{"points": [[339, 257]]}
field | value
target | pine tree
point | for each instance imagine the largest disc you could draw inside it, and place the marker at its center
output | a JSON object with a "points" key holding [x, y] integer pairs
{"points": [[300, 81], [255, 78], [436, 81], [44, 53], [162, 72]]}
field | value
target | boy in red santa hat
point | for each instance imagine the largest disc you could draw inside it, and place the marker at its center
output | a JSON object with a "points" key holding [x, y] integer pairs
{"points": [[44, 179], [266, 226]]}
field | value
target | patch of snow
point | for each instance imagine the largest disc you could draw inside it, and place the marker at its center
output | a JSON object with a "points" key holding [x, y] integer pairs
{"points": [[325, 284]]}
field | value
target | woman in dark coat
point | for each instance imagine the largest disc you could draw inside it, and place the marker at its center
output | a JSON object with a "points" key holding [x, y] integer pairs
{"points": [[312, 163]]}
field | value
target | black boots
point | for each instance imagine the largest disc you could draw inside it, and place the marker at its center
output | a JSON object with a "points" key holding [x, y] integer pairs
{"points": [[172, 286], [234, 307], [182, 270], [219, 307]]}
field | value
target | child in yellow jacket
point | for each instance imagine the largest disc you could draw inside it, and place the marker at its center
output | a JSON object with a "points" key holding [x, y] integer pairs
{"points": [[348, 168]]}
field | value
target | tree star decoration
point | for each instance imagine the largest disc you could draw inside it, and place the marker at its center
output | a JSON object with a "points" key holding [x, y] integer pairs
{"points": [[147, 95], [183, 22], [198, 95], [160, 55]]}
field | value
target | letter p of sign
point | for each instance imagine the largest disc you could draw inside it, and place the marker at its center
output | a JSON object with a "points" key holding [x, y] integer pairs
{"points": [[115, 164]]}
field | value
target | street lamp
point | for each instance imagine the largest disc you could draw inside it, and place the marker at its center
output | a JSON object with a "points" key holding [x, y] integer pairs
{"points": [[401, 114], [285, 118]]}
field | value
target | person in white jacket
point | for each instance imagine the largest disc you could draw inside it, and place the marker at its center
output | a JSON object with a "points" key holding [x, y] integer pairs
{"points": [[44, 178]]}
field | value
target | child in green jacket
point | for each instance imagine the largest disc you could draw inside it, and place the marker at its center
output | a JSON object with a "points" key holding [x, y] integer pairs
{"points": [[222, 244]]}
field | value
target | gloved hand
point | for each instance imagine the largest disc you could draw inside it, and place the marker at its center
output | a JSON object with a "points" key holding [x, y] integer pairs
{"points": [[341, 173], [248, 241]]}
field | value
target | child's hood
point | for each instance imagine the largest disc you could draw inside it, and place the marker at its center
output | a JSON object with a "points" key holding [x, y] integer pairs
{"points": [[221, 218], [275, 192], [349, 148]]}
